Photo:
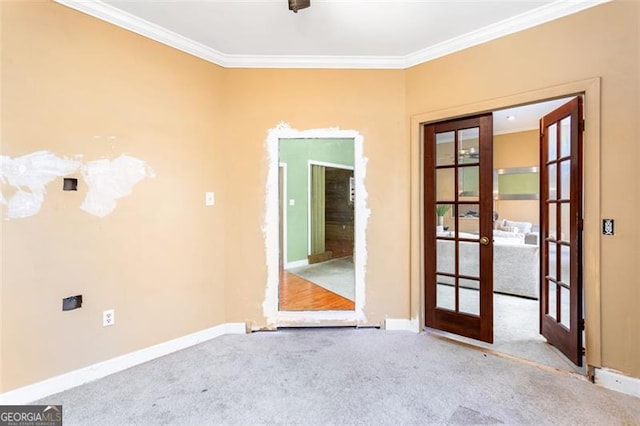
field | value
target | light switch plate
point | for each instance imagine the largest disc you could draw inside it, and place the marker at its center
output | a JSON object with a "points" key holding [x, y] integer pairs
{"points": [[292, 202]]}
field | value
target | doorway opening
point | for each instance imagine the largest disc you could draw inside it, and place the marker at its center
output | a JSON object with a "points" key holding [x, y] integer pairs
{"points": [[526, 198], [315, 227]]}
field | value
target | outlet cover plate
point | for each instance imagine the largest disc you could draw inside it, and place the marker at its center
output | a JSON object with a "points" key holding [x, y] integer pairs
{"points": [[108, 317]]}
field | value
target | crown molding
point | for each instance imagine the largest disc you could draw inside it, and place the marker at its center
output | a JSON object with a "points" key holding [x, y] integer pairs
{"points": [[317, 61], [120, 18], [538, 16]]}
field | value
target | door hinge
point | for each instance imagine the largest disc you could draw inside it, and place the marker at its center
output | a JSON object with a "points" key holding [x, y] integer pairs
{"points": [[581, 126], [581, 324], [580, 224]]}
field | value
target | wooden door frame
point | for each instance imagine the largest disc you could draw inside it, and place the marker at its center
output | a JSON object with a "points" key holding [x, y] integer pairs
{"points": [[590, 88]]}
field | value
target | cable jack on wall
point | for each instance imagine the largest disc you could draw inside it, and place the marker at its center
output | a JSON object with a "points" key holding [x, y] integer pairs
{"points": [[296, 5]]}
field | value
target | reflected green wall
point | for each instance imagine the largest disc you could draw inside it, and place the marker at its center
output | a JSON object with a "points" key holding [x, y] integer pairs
{"points": [[296, 153]]}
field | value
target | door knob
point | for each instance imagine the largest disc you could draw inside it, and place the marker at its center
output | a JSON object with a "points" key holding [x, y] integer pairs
{"points": [[484, 241]]}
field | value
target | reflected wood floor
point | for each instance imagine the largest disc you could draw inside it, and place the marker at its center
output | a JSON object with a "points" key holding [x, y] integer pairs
{"points": [[298, 294]]}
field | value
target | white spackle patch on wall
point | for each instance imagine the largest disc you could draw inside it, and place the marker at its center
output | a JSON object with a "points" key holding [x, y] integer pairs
{"points": [[271, 225], [29, 175], [109, 180]]}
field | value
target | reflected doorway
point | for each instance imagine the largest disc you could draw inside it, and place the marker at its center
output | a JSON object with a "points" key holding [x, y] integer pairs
{"points": [[317, 218]]}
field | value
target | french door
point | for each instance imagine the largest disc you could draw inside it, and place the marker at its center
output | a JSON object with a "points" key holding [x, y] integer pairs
{"points": [[561, 321], [458, 253]]}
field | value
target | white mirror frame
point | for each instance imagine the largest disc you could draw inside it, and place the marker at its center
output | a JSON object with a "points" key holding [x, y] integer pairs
{"points": [[273, 316]]}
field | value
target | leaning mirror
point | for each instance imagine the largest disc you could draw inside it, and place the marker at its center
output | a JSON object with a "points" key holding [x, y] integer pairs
{"points": [[317, 213]]}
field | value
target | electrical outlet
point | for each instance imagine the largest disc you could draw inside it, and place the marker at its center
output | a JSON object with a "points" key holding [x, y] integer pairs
{"points": [[209, 199], [108, 317]]}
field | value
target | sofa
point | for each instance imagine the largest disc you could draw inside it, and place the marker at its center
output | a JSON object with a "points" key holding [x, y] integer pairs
{"points": [[516, 265]]}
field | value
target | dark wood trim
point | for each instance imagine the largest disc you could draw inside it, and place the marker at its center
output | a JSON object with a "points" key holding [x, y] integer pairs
{"points": [[429, 199]]}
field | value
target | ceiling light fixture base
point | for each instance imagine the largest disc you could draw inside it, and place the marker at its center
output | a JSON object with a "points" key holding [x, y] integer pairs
{"points": [[296, 5]]}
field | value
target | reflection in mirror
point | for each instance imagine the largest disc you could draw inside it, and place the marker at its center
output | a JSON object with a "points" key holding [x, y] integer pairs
{"points": [[316, 224]]}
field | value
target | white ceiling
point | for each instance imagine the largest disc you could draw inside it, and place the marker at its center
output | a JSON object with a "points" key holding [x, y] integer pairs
{"points": [[329, 34], [336, 33], [526, 117]]}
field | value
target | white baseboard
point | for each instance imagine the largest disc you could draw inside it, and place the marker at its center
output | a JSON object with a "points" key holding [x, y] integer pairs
{"points": [[393, 324], [29, 393], [617, 381], [234, 328], [296, 263]]}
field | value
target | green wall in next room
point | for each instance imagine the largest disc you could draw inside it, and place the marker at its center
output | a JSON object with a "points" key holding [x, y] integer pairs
{"points": [[296, 153]]}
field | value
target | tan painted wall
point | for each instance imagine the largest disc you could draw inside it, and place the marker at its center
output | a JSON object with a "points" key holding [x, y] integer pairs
{"points": [[574, 48], [370, 102], [158, 259], [517, 150], [67, 77]]}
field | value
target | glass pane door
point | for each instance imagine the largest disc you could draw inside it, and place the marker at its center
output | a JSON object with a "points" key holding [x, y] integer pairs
{"points": [[458, 187], [561, 186]]}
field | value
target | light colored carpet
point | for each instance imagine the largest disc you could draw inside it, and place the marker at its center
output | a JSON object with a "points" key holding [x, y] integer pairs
{"points": [[515, 327], [340, 376], [336, 275]]}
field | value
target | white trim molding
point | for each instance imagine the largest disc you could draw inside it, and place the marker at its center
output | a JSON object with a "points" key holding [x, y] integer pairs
{"points": [[128, 21], [395, 324], [270, 306], [33, 392], [538, 16], [616, 381]]}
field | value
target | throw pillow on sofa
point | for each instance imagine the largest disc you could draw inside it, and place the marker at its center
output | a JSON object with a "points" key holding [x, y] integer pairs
{"points": [[524, 227]]}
